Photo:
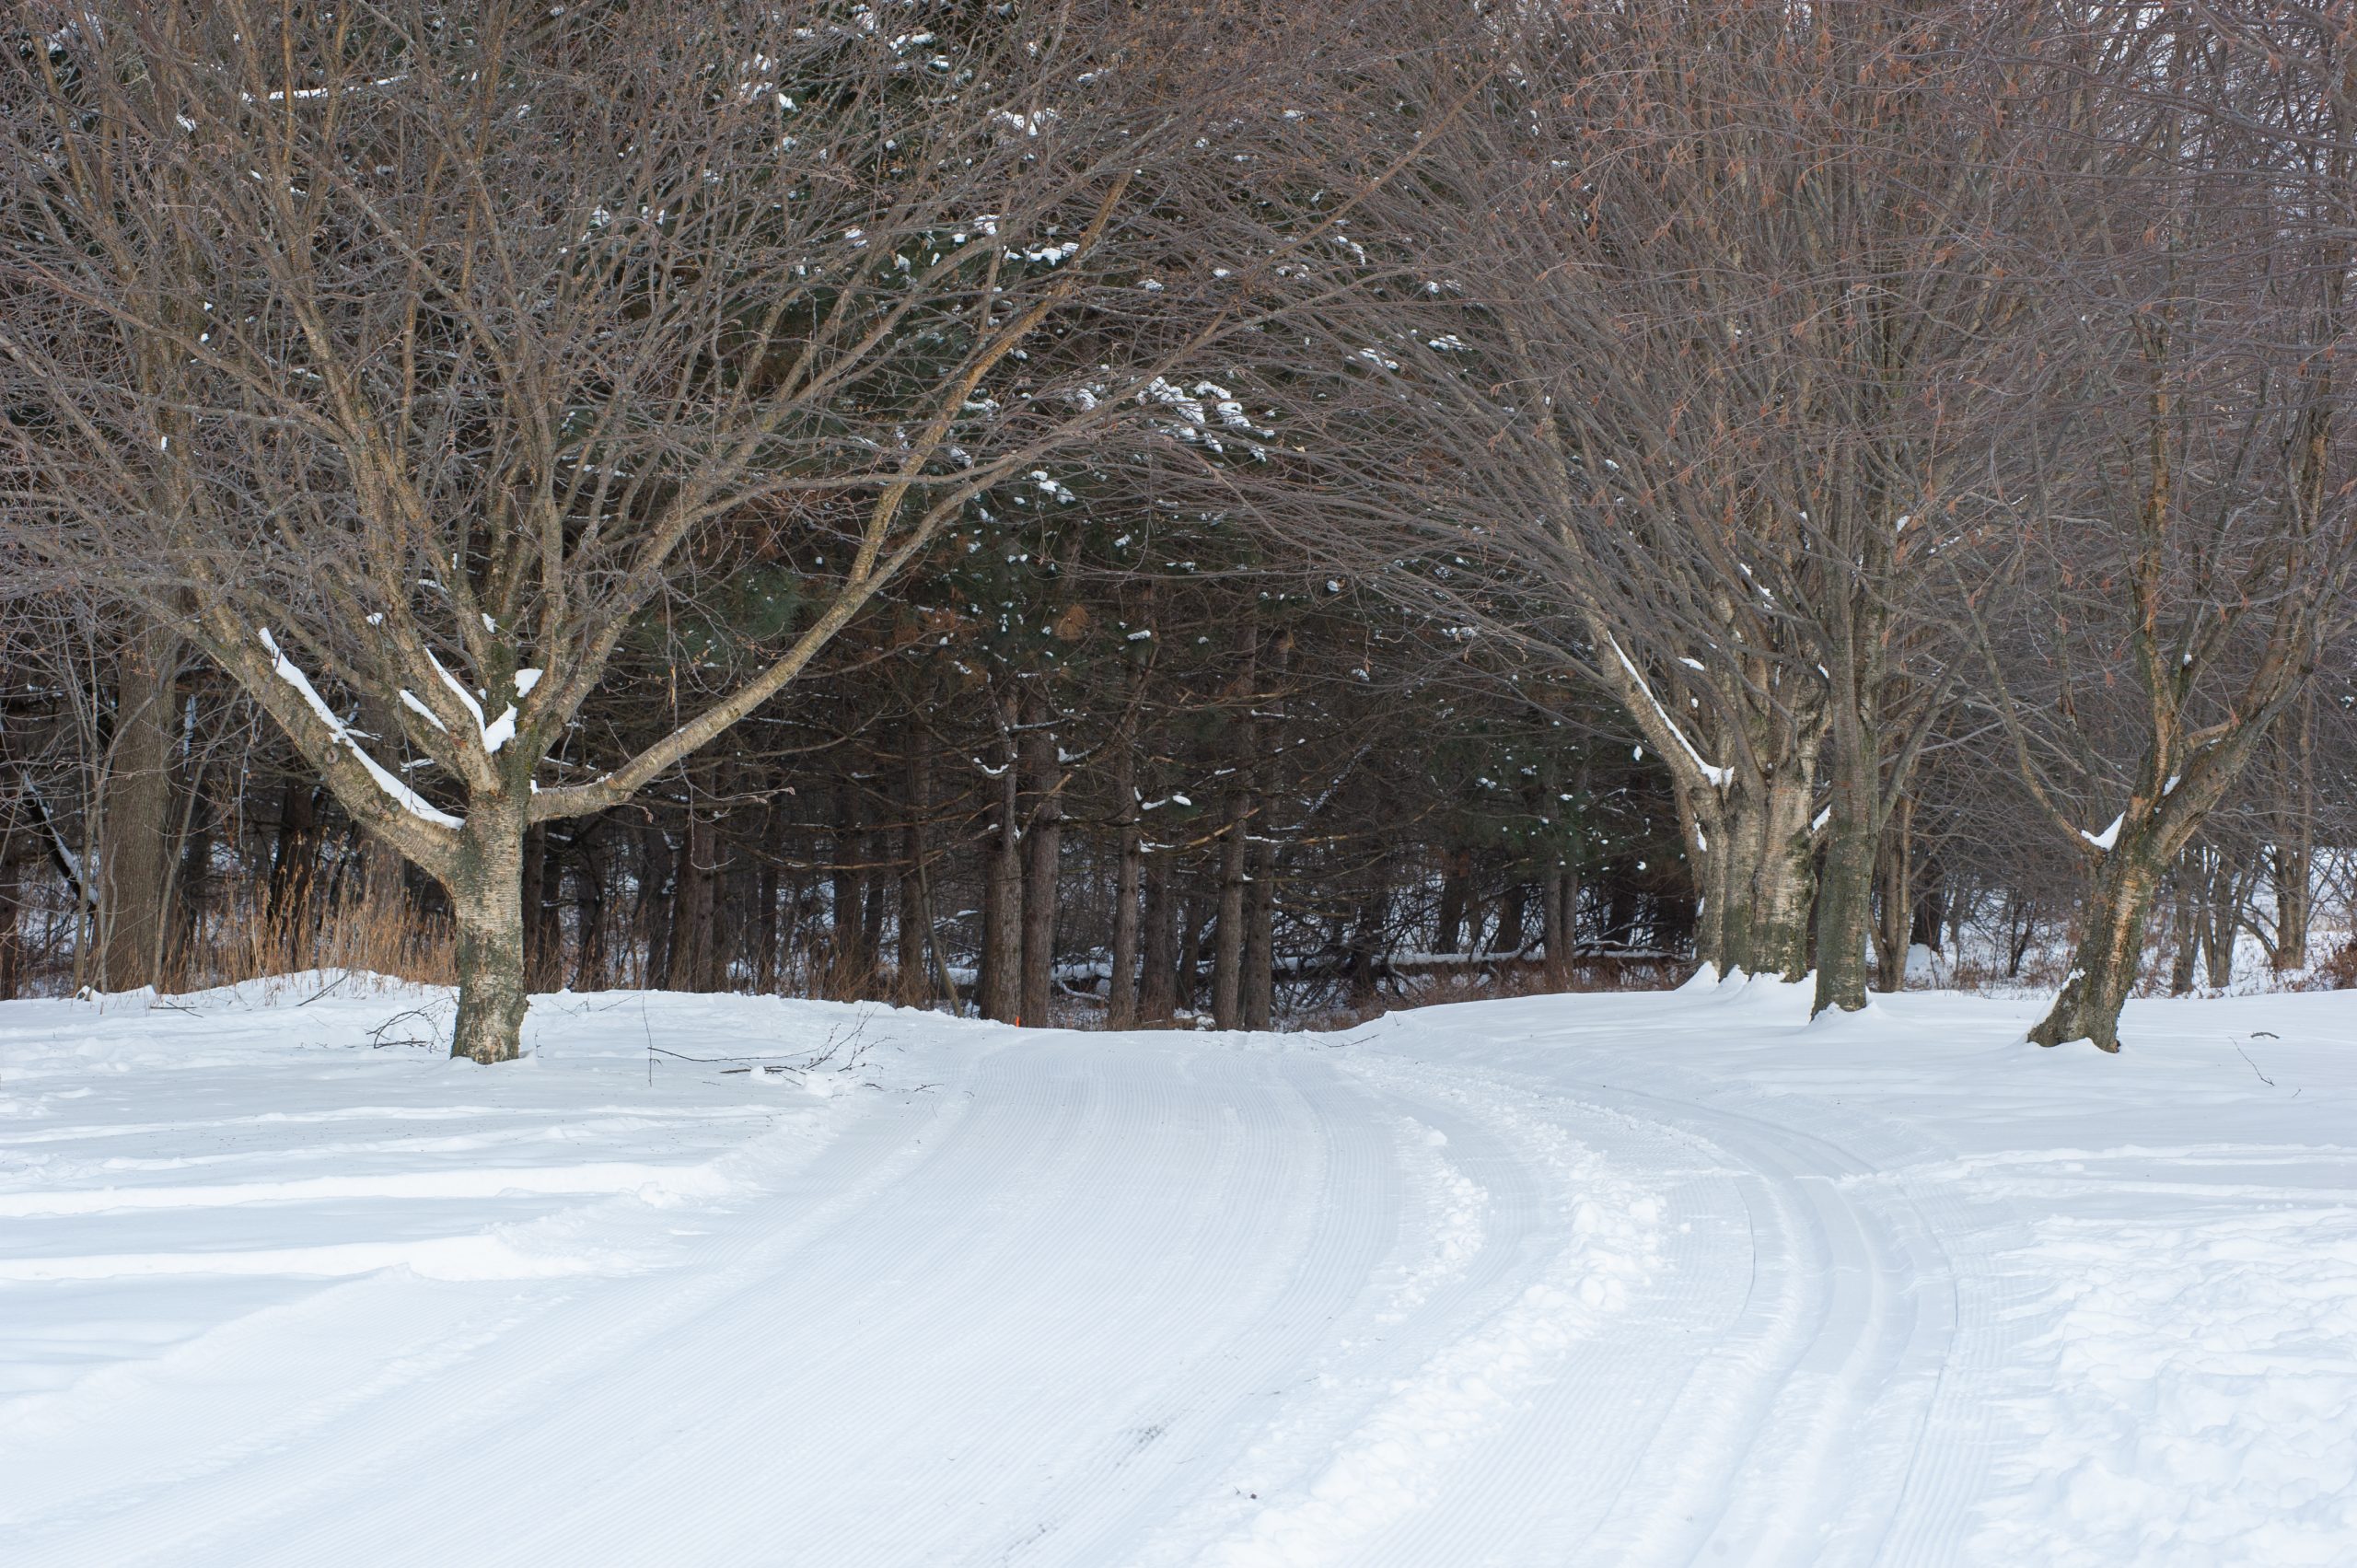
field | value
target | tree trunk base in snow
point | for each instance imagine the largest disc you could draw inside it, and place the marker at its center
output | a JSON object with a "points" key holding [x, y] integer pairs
{"points": [[2103, 970], [487, 897], [2078, 1014]]}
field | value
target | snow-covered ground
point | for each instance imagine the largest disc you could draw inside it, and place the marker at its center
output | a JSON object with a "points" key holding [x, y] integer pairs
{"points": [[1588, 1280]]}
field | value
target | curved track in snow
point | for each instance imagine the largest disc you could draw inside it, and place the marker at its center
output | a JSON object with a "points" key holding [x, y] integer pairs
{"points": [[1413, 1297]]}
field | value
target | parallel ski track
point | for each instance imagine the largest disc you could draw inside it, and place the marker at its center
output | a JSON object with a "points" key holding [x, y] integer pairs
{"points": [[1101, 1302]]}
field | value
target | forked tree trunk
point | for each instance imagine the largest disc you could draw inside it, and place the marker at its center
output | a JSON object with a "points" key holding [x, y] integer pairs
{"points": [[2105, 966], [486, 889]]}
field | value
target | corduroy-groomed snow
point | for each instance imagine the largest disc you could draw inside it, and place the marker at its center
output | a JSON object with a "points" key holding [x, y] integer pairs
{"points": [[1579, 1280]]}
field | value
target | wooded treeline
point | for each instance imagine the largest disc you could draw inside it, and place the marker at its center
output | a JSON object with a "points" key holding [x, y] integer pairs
{"points": [[1103, 510]]}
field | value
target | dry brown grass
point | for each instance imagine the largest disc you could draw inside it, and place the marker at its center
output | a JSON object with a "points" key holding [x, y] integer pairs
{"points": [[384, 936]]}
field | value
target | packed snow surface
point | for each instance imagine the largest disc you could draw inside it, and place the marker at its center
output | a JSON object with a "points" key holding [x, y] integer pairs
{"points": [[1579, 1280]]}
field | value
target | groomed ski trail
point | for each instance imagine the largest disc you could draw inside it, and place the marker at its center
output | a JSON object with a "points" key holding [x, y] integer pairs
{"points": [[1643, 1282]]}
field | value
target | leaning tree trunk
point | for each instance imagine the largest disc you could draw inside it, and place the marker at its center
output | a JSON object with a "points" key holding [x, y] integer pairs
{"points": [[2105, 966], [486, 888]]}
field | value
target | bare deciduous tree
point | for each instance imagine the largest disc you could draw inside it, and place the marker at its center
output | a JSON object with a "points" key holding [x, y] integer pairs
{"points": [[402, 359], [2189, 528]]}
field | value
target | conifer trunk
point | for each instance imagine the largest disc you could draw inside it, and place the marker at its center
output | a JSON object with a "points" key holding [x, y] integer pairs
{"points": [[1561, 895], [999, 993], [1158, 986], [1227, 951], [1260, 940], [1042, 861], [913, 928], [1121, 991]]}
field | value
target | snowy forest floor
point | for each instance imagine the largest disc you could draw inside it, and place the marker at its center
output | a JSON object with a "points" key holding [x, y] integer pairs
{"points": [[1606, 1278]]}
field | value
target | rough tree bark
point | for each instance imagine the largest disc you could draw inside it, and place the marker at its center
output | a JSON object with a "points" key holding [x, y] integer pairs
{"points": [[1121, 991], [1227, 946], [999, 991], [1234, 846], [1043, 852], [2291, 856], [1159, 986], [1896, 915], [912, 982], [135, 837], [486, 885]]}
